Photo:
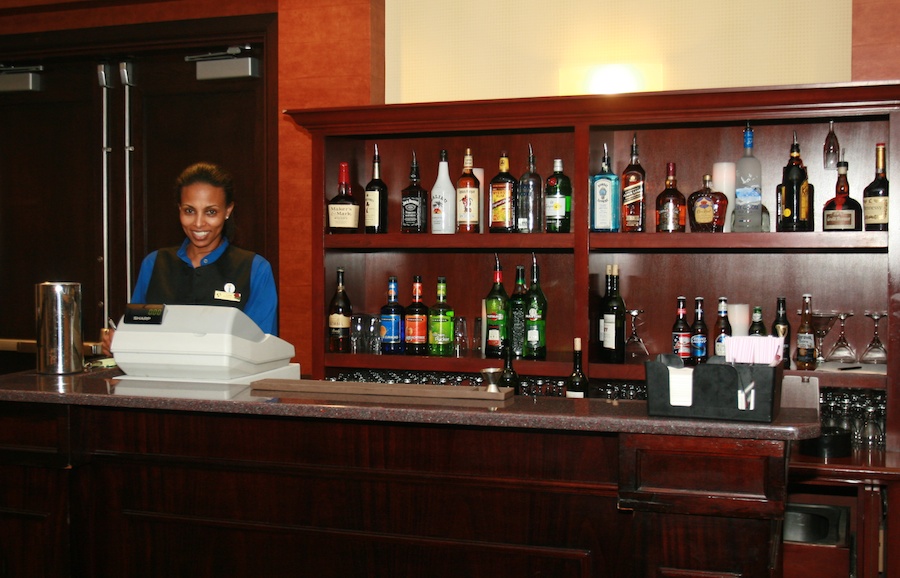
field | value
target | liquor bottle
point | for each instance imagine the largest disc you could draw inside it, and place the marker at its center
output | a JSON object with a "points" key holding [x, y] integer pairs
{"points": [[806, 343], [530, 199], [343, 210], [613, 347], [577, 384], [417, 321], [606, 198], [707, 209], [670, 205], [875, 195], [503, 199], [699, 349], [495, 316], [633, 193], [339, 312], [842, 213], [597, 354], [440, 323], [781, 327], [509, 377], [722, 328], [757, 327], [414, 203], [535, 316], [467, 201], [747, 216], [515, 315], [558, 200], [443, 200], [376, 199], [681, 331], [795, 195], [393, 322]]}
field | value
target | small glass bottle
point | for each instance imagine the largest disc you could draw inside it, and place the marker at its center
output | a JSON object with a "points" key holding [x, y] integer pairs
{"points": [[558, 200], [343, 210], [722, 328], [681, 331], [443, 200], [875, 195], [699, 349], [633, 194], [414, 203], [393, 322], [467, 201], [781, 327], [606, 198], [670, 205], [842, 213], [530, 199], [376, 199], [339, 313], [503, 199], [806, 343], [757, 326], [707, 209], [577, 384]]}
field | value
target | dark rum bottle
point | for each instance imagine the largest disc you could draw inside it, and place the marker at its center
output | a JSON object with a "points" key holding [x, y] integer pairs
{"points": [[875, 195], [503, 199], [376, 199], [414, 203], [339, 312], [670, 205], [633, 193], [343, 210]]}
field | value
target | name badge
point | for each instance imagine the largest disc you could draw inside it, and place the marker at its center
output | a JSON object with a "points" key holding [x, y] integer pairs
{"points": [[228, 293]]}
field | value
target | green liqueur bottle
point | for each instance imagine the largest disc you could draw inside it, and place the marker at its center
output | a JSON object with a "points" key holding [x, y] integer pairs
{"points": [[515, 314], [558, 200], [495, 313], [440, 323], [535, 316]]}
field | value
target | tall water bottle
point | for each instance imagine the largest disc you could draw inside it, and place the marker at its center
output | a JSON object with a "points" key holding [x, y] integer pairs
{"points": [[443, 200], [748, 190]]}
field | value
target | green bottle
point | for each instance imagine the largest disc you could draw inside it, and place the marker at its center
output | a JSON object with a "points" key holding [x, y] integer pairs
{"points": [[535, 316], [515, 314], [440, 323], [558, 200], [495, 316]]}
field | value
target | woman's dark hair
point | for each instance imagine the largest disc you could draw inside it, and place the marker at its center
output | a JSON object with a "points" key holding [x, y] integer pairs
{"points": [[210, 174]]}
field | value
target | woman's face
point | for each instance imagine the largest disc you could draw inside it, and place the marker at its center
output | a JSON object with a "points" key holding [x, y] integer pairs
{"points": [[203, 212]]}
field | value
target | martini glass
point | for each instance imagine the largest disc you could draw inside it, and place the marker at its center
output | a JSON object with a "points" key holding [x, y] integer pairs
{"points": [[822, 321], [842, 351], [875, 352], [635, 350]]}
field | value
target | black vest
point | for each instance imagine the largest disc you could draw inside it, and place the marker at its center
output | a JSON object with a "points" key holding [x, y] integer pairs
{"points": [[178, 283]]}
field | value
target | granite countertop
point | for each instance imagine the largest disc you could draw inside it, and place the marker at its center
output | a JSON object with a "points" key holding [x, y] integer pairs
{"points": [[101, 388]]}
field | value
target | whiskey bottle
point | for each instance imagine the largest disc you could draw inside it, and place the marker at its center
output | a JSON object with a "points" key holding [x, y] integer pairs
{"points": [[530, 199], [795, 195], [806, 343], [722, 328], [515, 314], [875, 195], [681, 331], [392, 322], [443, 200], [633, 193], [747, 216], [467, 201], [535, 316], [670, 205], [842, 213], [757, 327], [440, 323], [343, 210], [414, 203], [339, 312], [558, 200], [781, 327], [503, 199], [495, 316], [707, 209], [606, 198], [376, 199], [699, 349], [613, 347], [577, 384], [416, 322]]}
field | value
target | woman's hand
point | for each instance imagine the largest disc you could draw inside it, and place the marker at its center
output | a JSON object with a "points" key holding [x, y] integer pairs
{"points": [[106, 337]]}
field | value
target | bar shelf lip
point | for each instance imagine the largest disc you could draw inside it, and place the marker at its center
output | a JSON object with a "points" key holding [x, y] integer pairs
{"points": [[480, 241], [819, 242]]}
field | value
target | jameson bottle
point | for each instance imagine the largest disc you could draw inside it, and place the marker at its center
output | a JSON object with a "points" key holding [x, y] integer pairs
{"points": [[535, 316], [722, 328], [495, 316], [414, 203], [707, 209], [577, 384], [795, 195], [613, 346], [503, 199], [875, 195], [606, 198], [748, 189], [530, 199], [339, 312], [842, 213], [515, 314], [376, 199], [670, 205], [343, 210], [806, 343], [558, 200], [440, 323], [416, 322], [781, 327], [681, 331], [699, 350], [633, 193], [443, 200], [757, 327], [467, 207], [392, 322]]}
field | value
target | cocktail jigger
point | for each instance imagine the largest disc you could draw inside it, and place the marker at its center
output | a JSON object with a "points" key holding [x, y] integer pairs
{"points": [[491, 376]]}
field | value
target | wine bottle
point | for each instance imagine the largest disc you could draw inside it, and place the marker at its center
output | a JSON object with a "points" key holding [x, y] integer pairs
{"points": [[515, 315], [747, 216], [339, 312], [577, 384], [503, 199], [417, 321], [681, 331], [606, 198], [440, 323], [509, 377], [530, 199], [722, 328], [613, 347], [795, 195], [467, 201], [535, 316], [842, 213], [781, 327], [875, 195], [670, 205], [558, 200], [443, 200], [376, 199], [699, 349], [343, 210], [806, 343], [392, 322], [633, 192], [707, 209], [596, 347], [414, 203], [757, 327], [495, 315]]}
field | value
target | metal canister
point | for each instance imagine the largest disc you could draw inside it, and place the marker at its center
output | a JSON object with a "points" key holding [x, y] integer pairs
{"points": [[60, 342]]}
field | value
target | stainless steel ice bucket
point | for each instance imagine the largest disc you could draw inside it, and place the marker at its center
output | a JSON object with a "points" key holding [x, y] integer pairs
{"points": [[60, 342]]}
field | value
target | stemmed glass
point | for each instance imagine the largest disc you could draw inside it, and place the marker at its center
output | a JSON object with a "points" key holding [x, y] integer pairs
{"points": [[842, 351], [635, 350], [875, 352], [822, 321]]}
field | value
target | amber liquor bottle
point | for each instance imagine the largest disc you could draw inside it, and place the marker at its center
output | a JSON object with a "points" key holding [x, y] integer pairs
{"points": [[376, 199], [417, 321], [633, 193], [842, 213], [875, 195], [343, 210], [339, 312], [467, 201], [806, 343], [670, 205], [707, 209], [503, 199]]}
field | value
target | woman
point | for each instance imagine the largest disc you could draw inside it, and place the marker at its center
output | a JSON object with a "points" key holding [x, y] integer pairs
{"points": [[207, 269]]}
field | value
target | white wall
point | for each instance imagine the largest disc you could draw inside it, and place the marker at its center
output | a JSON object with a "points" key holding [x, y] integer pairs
{"points": [[439, 50]]}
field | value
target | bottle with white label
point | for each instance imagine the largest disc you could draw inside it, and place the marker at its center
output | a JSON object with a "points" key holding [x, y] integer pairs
{"points": [[376, 199], [443, 200], [468, 206]]}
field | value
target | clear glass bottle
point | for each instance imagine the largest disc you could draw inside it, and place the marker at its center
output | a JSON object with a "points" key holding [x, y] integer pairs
{"points": [[503, 199], [339, 313], [577, 384], [343, 210], [707, 209], [393, 322], [443, 200], [416, 324], [440, 323], [414, 203], [842, 213], [670, 205], [530, 199], [681, 331], [633, 192], [516, 314], [699, 335], [781, 327], [558, 200], [376, 196], [535, 316], [495, 316], [747, 214], [606, 198], [467, 201], [875, 195], [806, 343], [831, 150]]}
